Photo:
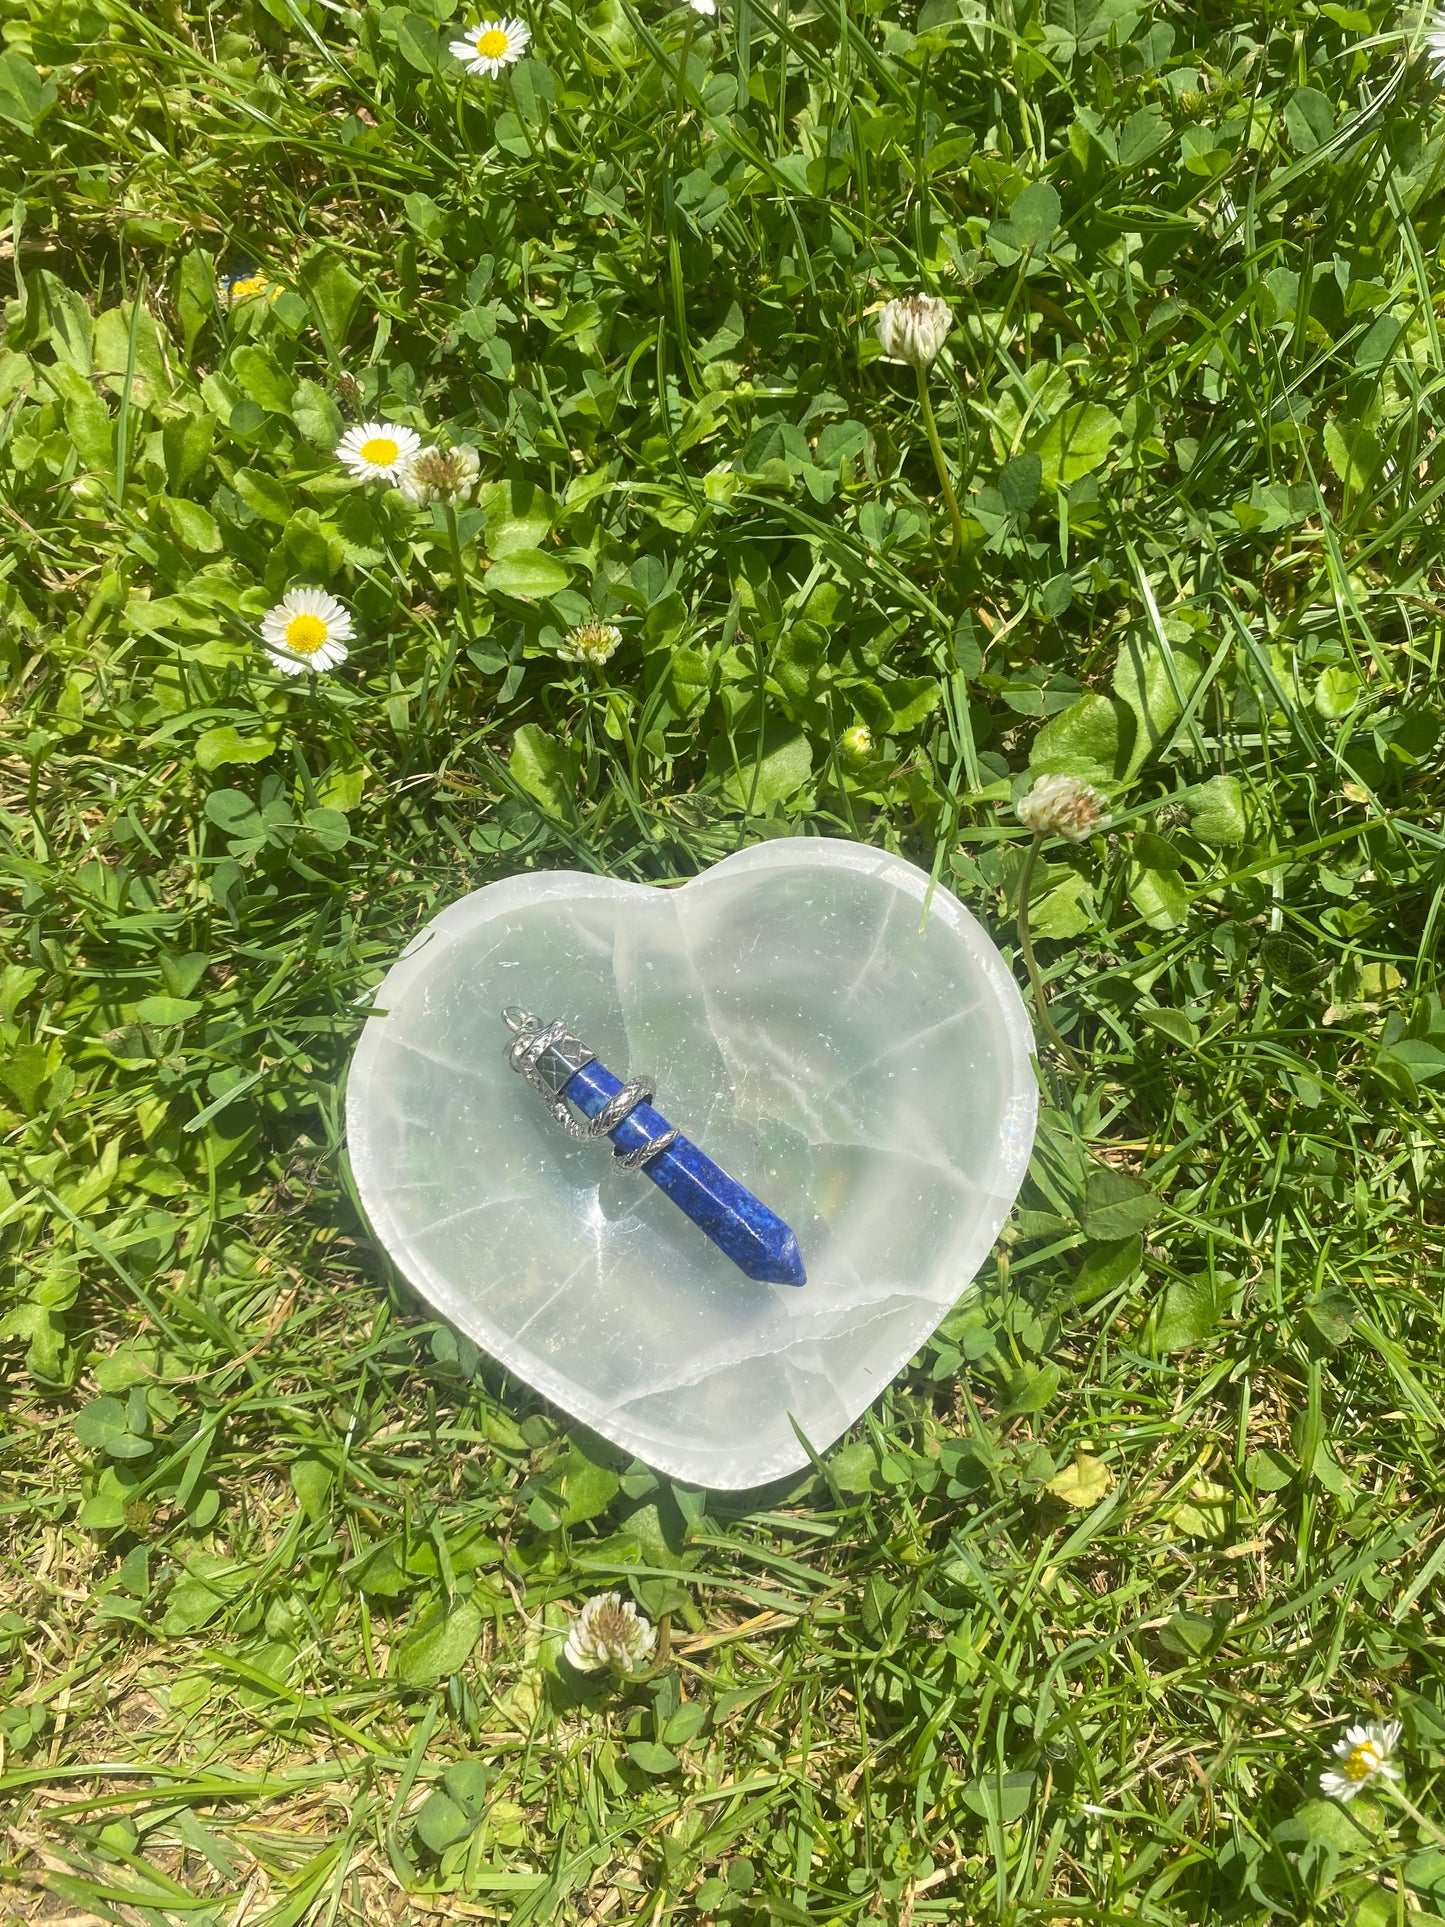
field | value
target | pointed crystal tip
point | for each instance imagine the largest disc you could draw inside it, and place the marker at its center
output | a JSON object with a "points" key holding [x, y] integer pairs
{"points": [[783, 1265]]}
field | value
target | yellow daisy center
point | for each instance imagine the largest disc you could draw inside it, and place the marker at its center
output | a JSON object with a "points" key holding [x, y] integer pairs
{"points": [[305, 635], [380, 450], [492, 44], [1363, 1760]]}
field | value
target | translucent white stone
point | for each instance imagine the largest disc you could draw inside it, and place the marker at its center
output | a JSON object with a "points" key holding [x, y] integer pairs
{"points": [[864, 1070]]}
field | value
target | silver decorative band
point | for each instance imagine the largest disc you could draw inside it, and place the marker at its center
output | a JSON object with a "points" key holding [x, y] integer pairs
{"points": [[549, 1056]]}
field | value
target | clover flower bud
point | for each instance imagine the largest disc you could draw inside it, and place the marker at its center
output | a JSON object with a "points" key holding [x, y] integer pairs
{"points": [[914, 330], [1062, 806], [592, 642], [348, 391], [445, 475]]}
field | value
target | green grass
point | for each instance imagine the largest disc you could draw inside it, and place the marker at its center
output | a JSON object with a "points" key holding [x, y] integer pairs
{"points": [[1063, 1629]]}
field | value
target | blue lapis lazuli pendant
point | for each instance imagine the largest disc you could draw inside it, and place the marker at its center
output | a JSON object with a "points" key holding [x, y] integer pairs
{"points": [[565, 1073]]}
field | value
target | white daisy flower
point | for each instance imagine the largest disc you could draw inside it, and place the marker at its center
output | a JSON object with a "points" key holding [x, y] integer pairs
{"points": [[307, 629], [1365, 1751], [1435, 47], [377, 451], [610, 1631], [491, 46]]}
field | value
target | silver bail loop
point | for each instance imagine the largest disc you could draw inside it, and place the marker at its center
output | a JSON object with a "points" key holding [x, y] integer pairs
{"points": [[547, 1055]]}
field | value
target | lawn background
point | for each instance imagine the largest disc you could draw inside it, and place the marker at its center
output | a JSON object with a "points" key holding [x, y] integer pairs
{"points": [[1065, 1626]]}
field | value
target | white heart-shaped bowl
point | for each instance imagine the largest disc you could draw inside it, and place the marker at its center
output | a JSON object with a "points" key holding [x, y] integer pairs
{"points": [[864, 1069]]}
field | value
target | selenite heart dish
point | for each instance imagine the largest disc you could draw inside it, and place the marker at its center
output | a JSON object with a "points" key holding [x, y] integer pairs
{"points": [[868, 1078]]}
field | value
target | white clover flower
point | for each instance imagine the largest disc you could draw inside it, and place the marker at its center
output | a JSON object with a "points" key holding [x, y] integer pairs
{"points": [[1435, 47], [378, 451], [914, 330], [857, 742], [440, 475], [307, 629], [1062, 806], [591, 642], [610, 1631], [491, 46], [1365, 1751], [705, 7]]}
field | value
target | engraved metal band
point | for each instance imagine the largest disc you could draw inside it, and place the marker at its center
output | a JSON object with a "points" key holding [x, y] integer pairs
{"points": [[549, 1056]]}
